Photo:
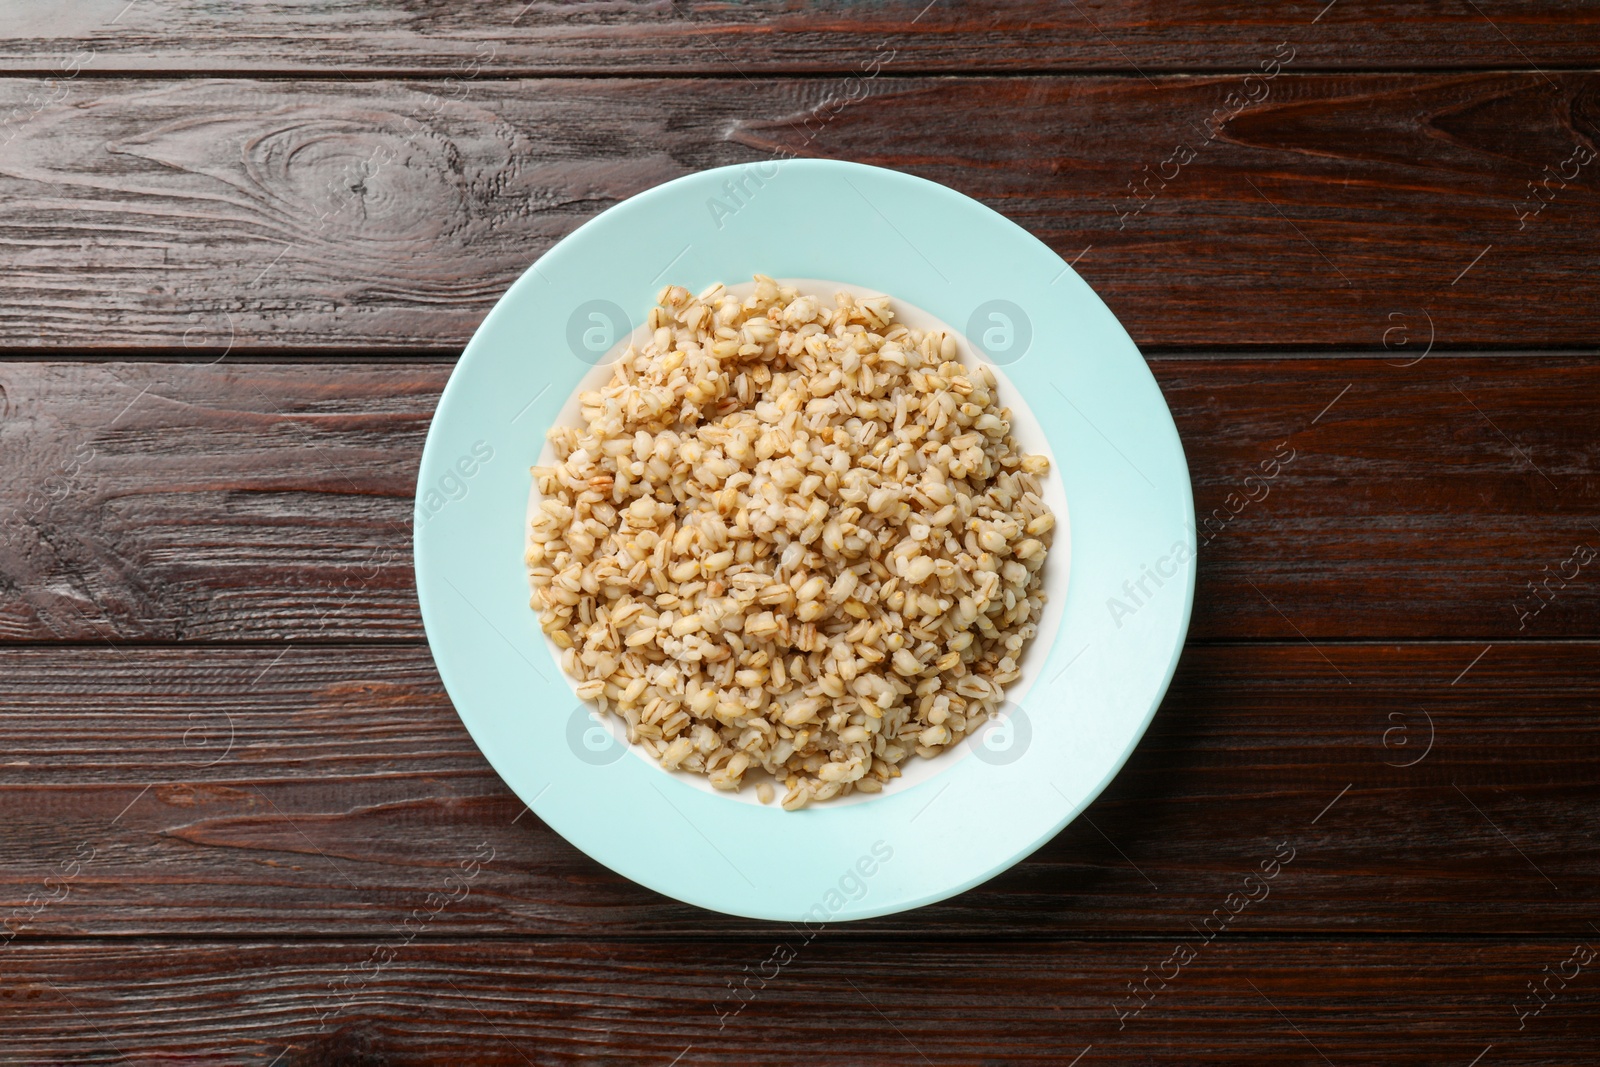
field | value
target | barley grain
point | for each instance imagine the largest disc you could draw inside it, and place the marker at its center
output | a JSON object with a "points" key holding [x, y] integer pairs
{"points": [[791, 541]]}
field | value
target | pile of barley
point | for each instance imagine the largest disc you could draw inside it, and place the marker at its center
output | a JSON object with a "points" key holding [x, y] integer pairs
{"points": [[791, 538]]}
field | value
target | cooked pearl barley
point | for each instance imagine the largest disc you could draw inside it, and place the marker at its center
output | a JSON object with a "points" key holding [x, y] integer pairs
{"points": [[792, 541]]}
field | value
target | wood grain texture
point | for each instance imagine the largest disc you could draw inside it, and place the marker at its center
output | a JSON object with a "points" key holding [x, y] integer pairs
{"points": [[239, 820], [177, 502], [351, 216], [782, 36], [846, 1003], [331, 791], [1455, 497], [184, 502]]}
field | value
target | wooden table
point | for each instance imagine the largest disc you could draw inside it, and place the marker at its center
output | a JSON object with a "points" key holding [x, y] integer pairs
{"points": [[241, 822]]}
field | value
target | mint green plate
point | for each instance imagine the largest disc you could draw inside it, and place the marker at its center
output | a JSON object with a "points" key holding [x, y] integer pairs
{"points": [[1090, 688]]}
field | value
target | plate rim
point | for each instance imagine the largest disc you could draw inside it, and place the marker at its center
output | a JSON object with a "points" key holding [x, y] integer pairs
{"points": [[447, 666]]}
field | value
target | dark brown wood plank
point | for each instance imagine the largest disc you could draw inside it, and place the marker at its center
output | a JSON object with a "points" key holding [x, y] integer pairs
{"points": [[330, 791], [162, 501], [772, 36], [1456, 497], [350, 215], [158, 501], [830, 1001]]}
